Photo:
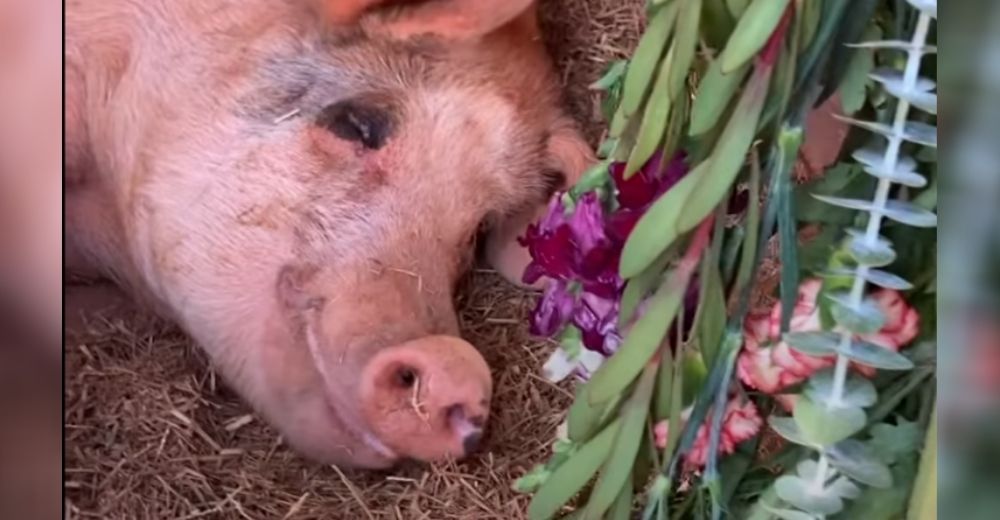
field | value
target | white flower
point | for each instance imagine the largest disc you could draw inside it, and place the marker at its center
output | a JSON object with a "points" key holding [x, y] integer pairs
{"points": [[561, 364]]}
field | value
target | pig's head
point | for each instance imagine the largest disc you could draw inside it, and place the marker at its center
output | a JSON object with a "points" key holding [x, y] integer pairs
{"points": [[308, 217]]}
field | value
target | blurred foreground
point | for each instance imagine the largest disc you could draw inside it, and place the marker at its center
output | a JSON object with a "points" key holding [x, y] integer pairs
{"points": [[968, 305], [30, 258]]}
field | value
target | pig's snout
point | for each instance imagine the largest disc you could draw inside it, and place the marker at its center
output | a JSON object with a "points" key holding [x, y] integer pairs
{"points": [[427, 399]]}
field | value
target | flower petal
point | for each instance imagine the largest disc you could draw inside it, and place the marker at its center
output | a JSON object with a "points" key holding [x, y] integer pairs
{"points": [[558, 366], [756, 370], [596, 317], [553, 310]]}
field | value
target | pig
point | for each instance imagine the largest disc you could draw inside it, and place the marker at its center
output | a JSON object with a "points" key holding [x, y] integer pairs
{"points": [[300, 185]]}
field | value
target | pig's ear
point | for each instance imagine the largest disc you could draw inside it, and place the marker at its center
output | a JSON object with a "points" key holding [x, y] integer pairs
{"points": [[568, 153], [449, 19]]}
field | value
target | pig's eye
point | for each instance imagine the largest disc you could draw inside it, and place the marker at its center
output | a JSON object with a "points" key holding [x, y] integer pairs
{"points": [[357, 121], [553, 180]]}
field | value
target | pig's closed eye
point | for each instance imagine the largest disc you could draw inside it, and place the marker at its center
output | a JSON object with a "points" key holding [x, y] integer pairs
{"points": [[357, 121], [552, 181]]}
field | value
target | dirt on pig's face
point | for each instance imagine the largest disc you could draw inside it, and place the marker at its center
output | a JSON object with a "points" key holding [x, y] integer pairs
{"points": [[309, 229]]}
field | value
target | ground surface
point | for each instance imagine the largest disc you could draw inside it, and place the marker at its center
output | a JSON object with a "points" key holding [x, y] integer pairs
{"points": [[151, 433]]}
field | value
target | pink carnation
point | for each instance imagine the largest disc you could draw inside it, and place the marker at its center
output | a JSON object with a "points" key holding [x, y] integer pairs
{"points": [[739, 423], [770, 365]]}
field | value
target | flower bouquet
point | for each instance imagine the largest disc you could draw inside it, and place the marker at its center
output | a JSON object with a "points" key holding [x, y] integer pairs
{"points": [[691, 400]]}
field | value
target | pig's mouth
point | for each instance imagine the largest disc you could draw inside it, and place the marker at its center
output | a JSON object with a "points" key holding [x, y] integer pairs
{"points": [[351, 424], [369, 439]]}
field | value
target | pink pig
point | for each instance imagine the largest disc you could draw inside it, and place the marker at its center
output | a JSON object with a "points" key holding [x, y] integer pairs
{"points": [[300, 184]]}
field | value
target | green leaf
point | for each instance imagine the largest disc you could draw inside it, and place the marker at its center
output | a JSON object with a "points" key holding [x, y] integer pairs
{"points": [[618, 468], [752, 31], [890, 442], [859, 462], [858, 391], [844, 178], [851, 29], [676, 405], [695, 373], [824, 425], [711, 321], [866, 318], [780, 93], [640, 286], [876, 254], [802, 495], [714, 93], [875, 356], [657, 228], [923, 500], [649, 454], [789, 430], [853, 86], [737, 7], [688, 22], [817, 343], [821, 42], [884, 504], [789, 142], [639, 344], [647, 54], [814, 255], [619, 122], [733, 468], [749, 257], [654, 119], [532, 480], [676, 127], [622, 508], [718, 23], [614, 74], [810, 13], [827, 343], [890, 397], [572, 475], [900, 211], [844, 488], [728, 155], [878, 277], [594, 177], [664, 387], [584, 418]]}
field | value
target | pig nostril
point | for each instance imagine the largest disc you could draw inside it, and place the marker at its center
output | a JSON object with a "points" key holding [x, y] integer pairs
{"points": [[471, 442], [406, 377], [456, 412]]}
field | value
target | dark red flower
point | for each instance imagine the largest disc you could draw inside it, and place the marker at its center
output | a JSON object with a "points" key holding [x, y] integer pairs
{"points": [[638, 192], [550, 244], [582, 250], [646, 185]]}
